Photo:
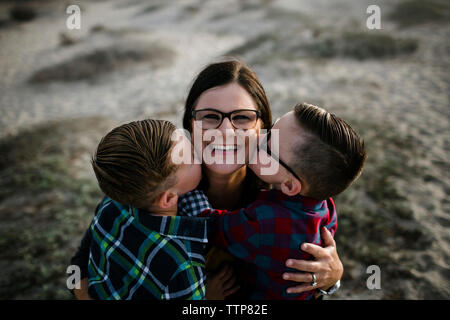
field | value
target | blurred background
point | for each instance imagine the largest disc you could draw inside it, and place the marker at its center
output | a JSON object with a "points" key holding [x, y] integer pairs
{"points": [[61, 90]]}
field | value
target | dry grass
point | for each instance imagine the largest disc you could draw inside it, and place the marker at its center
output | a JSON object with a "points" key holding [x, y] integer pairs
{"points": [[359, 45], [45, 205], [363, 45], [95, 64], [415, 12], [376, 222]]}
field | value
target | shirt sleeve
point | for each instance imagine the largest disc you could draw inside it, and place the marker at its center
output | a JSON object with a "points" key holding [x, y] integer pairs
{"points": [[81, 257], [237, 232], [188, 283], [193, 203]]}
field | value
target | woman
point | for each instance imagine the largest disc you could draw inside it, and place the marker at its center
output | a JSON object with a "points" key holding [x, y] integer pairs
{"points": [[231, 87], [226, 87]]}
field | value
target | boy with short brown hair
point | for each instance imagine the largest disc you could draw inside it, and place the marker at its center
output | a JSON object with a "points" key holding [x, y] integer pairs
{"points": [[140, 248]]}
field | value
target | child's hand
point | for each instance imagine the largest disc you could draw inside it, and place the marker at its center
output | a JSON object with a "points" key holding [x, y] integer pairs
{"points": [[82, 293], [221, 284]]}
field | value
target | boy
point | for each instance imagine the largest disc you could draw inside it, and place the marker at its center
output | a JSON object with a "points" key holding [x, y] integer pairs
{"points": [[140, 248], [319, 157]]}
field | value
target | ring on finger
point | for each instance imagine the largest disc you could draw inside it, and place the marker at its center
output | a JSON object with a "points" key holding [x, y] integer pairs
{"points": [[313, 282]]}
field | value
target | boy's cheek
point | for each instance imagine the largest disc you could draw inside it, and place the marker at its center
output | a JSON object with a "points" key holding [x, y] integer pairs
{"points": [[271, 169], [197, 173], [259, 170], [267, 165], [190, 178], [264, 170]]}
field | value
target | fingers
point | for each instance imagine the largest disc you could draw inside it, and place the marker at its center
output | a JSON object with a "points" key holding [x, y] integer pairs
{"points": [[327, 237], [230, 291], [222, 272], [82, 293], [225, 281], [302, 265], [226, 273], [315, 250], [230, 283], [300, 288], [219, 274], [298, 277]]}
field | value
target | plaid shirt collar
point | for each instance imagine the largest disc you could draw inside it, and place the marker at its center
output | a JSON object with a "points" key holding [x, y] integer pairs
{"points": [[278, 196], [181, 227]]}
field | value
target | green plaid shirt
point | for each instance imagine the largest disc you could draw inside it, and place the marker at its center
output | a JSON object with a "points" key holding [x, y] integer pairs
{"points": [[136, 255]]}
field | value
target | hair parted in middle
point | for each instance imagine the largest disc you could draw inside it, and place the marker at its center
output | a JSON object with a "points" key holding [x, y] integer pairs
{"points": [[230, 70]]}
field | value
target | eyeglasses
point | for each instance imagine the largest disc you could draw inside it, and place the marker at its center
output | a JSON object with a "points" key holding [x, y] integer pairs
{"points": [[265, 144], [240, 119]]}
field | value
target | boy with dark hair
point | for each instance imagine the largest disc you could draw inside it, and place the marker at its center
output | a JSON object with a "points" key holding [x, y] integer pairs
{"points": [[140, 248], [319, 156]]}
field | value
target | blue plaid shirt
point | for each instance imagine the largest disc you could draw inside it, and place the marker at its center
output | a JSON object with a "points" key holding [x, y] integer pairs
{"points": [[136, 255]]}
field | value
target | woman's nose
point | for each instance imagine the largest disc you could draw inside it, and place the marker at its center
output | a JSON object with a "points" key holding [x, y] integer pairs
{"points": [[226, 124], [228, 132]]}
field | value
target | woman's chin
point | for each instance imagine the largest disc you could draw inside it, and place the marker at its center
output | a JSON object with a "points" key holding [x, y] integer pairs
{"points": [[223, 169]]}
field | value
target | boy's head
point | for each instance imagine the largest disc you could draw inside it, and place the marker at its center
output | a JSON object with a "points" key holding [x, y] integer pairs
{"points": [[325, 153], [133, 165]]}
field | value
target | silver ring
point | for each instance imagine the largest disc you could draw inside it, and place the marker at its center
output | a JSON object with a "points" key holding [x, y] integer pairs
{"points": [[313, 282]]}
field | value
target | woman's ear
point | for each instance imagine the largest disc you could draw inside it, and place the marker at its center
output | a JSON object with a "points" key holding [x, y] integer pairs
{"points": [[167, 199], [291, 186]]}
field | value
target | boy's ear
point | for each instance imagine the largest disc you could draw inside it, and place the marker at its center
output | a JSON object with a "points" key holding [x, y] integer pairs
{"points": [[291, 187], [167, 199]]}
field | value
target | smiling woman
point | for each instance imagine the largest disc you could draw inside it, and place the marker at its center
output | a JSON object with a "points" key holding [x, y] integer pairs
{"points": [[229, 86]]}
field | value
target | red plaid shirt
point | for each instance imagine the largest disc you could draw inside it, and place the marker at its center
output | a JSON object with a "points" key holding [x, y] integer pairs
{"points": [[267, 233]]}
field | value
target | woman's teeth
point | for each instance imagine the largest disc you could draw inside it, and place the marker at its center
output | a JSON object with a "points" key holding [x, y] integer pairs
{"points": [[224, 148]]}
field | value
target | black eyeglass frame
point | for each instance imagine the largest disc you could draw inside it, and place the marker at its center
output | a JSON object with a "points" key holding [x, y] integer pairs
{"points": [[227, 115], [269, 152]]}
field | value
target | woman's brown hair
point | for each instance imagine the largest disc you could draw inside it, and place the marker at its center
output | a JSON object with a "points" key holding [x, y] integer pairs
{"points": [[223, 73]]}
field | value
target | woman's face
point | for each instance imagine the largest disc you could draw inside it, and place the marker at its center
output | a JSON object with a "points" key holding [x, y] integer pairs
{"points": [[226, 98]]}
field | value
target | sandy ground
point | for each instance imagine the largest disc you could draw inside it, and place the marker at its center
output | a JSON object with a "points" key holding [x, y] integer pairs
{"points": [[150, 52]]}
